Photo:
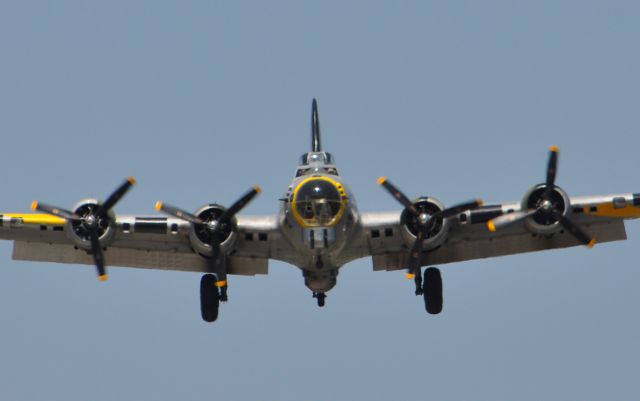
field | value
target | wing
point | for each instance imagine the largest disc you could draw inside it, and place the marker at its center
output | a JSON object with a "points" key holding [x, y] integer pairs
{"points": [[150, 242], [469, 237]]}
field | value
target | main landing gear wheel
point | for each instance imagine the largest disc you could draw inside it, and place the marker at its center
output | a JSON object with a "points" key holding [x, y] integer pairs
{"points": [[209, 298], [432, 290], [320, 296]]}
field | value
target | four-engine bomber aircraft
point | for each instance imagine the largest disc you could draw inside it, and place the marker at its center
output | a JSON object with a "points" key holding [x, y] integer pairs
{"points": [[318, 229]]}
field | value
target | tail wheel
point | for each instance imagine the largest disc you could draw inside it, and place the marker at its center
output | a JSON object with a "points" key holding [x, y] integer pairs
{"points": [[209, 298], [432, 290], [320, 296]]}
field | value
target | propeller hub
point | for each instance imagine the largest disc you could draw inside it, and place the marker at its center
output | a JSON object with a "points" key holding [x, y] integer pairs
{"points": [[90, 220], [213, 225], [423, 218], [546, 205]]}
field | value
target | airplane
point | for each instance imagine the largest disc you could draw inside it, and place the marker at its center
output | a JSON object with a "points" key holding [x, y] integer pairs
{"points": [[318, 229]]}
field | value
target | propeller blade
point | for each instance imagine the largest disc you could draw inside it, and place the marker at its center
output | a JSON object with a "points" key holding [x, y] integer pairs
{"points": [[179, 213], [576, 231], [215, 260], [552, 169], [509, 218], [53, 210], [240, 204], [98, 257], [215, 267], [396, 193], [414, 256], [116, 196], [215, 249], [462, 207]]}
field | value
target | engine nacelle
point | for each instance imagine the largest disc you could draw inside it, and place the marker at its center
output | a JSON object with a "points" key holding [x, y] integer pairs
{"points": [[77, 231], [541, 222], [200, 235], [409, 223]]}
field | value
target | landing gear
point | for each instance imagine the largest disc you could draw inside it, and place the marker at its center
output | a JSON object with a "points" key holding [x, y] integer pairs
{"points": [[432, 290], [320, 296], [209, 298], [223, 294], [418, 281]]}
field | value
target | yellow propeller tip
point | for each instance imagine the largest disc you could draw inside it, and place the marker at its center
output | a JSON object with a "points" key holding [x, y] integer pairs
{"points": [[480, 202], [554, 149], [257, 188], [34, 205], [410, 276], [103, 277], [591, 243], [131, 180], [221, 283], [382, 180], [158, 205], [491, 226]]}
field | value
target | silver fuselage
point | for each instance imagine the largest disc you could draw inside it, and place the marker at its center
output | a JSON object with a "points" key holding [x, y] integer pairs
{"points": [[319, 218]]}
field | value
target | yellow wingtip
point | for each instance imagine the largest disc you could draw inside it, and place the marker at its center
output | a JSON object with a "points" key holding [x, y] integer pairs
{"points": [[131, 180], [34, 205], [410, 276], [159, 205], [491, 226], [103, 277], [382, 180], [591, 243], [554, 149], [257, 188]]}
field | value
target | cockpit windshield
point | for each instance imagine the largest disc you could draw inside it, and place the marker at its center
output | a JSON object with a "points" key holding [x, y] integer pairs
{"points": [[318, 203]]}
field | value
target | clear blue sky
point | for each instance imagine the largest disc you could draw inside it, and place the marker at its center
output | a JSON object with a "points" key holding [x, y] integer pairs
{"points": [[202, 99]]}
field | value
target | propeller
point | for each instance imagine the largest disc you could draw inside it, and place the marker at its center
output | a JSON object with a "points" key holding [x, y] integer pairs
{"points": [[545, 208], [425, 222], [91, 220], [214, 226]]}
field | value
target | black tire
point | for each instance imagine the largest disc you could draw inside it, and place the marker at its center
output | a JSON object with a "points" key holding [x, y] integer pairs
{"points": [[209, 298], [432, 288]]}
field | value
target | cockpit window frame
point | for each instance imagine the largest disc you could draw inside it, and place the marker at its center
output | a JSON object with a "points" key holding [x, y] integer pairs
{"points": [[325, 170], [312, 158], [338, 216]]}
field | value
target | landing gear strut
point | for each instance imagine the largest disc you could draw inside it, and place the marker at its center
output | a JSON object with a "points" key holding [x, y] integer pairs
{"points": [[418, 281], [320, 296], [223, 294]]}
